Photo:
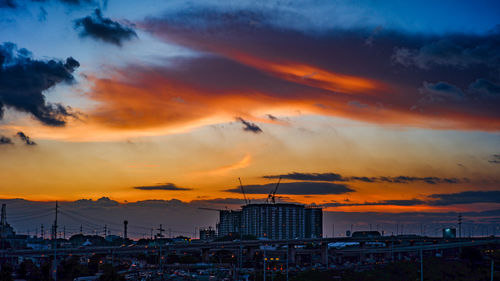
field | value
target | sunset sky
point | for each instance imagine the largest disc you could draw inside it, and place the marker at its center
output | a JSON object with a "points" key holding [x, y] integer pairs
{"points": [[362, 107]]}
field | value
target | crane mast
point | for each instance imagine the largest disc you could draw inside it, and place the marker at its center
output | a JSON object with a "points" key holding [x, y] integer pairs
{"points": [[272, 194], [243, 191]]}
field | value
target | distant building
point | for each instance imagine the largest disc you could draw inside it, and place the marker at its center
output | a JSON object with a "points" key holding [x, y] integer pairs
{"points": [[281, 221], [365, 234], [449, 233], [8, 237], [6, 231], [273, 221], [313, 222], [207, 234], [229, 222]]}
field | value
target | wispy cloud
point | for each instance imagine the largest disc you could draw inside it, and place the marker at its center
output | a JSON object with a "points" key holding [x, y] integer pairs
{"points": [[309, 176], [161, 186], [243, 163]]}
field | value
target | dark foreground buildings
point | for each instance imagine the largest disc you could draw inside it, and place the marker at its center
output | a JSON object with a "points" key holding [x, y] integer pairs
{"points": [[272, 221]]}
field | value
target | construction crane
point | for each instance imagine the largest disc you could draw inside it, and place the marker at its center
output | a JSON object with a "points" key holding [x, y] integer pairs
{"points": [[243, 191], [273, 193]]}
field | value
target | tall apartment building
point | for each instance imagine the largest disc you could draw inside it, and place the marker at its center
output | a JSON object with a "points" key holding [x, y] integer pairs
{"points": [[229, 222], [207, 234], [313, 222], [281, 221]]}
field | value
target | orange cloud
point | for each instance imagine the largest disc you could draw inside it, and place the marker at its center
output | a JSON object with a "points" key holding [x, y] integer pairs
{"points": [[333, 74], [310, 75], [243, 163], [195, 92]]}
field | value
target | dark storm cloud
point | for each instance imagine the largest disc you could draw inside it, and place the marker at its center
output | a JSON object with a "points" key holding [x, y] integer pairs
{"points": [[105, 29], [296, 188], [5, 140], [249, 126], [162, 186], [495, 159], [25, 138], [411, 66], [24, 79], [467, 197], [308, 176], [337, 177]]}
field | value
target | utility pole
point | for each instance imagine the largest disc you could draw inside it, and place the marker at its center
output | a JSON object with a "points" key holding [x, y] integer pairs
{"points": [[160, 231], [105, 230], [42, 232], [125, 225], [55, 244], [460, 225], [81, 229]]}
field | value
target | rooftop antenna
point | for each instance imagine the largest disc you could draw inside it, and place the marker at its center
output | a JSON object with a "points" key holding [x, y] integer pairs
{"points": [[243, 191]]}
